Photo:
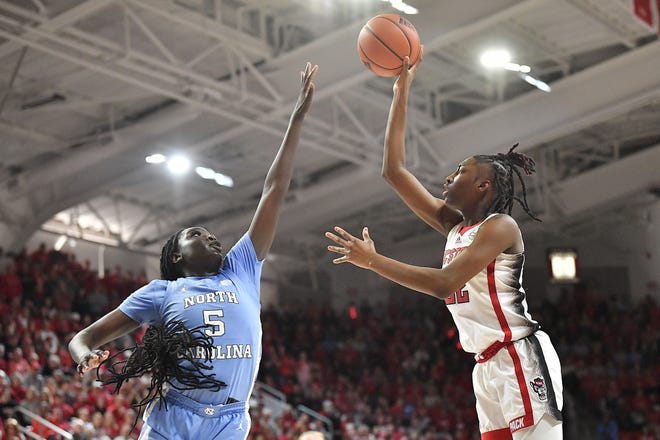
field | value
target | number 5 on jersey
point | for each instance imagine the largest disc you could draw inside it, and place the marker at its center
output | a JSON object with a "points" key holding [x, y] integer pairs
{"points": [[210, 318]]}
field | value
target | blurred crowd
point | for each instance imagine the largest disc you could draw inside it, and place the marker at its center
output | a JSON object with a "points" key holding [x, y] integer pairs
{"points": [[392, 370]]}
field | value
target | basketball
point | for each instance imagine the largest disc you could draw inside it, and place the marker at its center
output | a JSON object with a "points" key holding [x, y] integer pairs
{"points": [[385, 40]]}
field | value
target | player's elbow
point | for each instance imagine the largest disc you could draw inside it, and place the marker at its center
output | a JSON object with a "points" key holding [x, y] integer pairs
{"points": [[441, 293], [442, 287], [391, 174]]}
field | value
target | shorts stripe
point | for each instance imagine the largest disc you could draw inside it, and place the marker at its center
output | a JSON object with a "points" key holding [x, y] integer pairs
{"points": [[498, 434], [492, 290], [528, 418], [552, 397]]}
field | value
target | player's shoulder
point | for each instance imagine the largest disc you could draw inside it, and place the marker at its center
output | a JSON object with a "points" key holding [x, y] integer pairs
{"points": [[155, 285], [501, 218], [500, 223]]}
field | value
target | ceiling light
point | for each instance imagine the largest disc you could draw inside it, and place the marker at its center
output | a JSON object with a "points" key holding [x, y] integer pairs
{"points": [[155, 158], [205, 173], [60, 242], [402, 6], [563, 264], [178, 164], [536, 83], [224, 180], [517, 67], [495, 58]]}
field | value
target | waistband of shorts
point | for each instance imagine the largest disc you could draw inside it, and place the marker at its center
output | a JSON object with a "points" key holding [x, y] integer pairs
{"points": [[204, 409], [494, 348]]}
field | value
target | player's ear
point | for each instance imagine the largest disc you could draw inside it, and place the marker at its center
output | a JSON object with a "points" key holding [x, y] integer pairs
{"points": [[484, 185], [176, 257]]}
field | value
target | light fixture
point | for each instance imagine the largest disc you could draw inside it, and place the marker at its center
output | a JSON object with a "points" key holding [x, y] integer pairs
{"points": [[155, 158], [536, 83], [501, 58], [205, 173], [563, 265], [224, 180], [402, 6], [60, 242], [178, 164], [495, 58]]}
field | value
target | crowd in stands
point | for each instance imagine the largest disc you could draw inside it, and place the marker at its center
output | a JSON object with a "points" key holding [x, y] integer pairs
{"points": [[388, 371]]}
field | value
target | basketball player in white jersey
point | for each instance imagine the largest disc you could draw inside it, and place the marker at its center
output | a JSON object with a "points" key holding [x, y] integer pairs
{"points": [[517, 374]]}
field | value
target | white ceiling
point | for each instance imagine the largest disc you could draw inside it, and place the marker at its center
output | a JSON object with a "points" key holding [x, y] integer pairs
{"points": [[89, 88]]}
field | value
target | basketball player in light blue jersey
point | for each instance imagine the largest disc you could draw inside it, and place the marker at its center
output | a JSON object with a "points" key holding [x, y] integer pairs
{"points": [[204, 344]]}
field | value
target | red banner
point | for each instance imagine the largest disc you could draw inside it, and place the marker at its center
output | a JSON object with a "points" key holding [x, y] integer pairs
{"points": [[649, 12]]}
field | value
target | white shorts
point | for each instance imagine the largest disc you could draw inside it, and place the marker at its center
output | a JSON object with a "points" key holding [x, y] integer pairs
{"points": [[517, 386]]}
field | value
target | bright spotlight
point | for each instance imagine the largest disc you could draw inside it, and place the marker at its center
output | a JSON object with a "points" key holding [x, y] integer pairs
{"points": [[178, 164], [495, 58], [205, 173], [402, 6], [60, 242], [224, 180], [563, 265], [536, 83], [155, 158]]}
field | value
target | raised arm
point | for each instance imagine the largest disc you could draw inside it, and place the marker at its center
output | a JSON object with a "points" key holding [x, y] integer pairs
{"points": [[83, 346], [264, 222], [497, 235], [426, 206]]}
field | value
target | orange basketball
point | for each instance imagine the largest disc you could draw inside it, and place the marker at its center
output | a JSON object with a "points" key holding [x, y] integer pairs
{"points": [[385, 40]]}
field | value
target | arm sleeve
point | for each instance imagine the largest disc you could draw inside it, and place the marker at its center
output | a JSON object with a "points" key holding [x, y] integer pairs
{"points": [[242, 260], [143, 305]]}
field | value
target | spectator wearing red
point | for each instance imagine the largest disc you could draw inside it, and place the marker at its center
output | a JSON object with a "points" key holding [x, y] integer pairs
{"points": [[10, 284]]}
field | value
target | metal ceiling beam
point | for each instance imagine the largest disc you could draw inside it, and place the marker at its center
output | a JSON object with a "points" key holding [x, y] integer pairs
{"points": [[64, 19], [585, 191], [583, 99], [205, 25]]}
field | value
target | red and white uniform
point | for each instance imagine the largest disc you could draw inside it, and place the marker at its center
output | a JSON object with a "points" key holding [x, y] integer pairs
{"points": [[517, 378]]}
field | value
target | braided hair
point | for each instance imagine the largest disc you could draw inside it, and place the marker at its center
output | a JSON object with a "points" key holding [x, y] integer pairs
{"points": [[505, 165], [168, 270], [164, 349]]}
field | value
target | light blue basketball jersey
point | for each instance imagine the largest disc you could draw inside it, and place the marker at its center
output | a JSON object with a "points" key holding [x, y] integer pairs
{"points": [[228, 304]]}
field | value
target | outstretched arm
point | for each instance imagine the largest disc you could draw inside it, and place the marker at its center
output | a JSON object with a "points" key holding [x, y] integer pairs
{"points": [[427, 207], [83, 346], [264, 222], [498, 235]]}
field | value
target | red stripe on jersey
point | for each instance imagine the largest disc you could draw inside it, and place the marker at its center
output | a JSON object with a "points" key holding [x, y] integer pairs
{"points": [[528, 418], [492, 290], [498, 434]]}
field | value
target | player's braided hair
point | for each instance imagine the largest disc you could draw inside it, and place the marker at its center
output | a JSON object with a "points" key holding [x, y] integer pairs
{"points": [[168, 270], [168, 354], [505, 165]]}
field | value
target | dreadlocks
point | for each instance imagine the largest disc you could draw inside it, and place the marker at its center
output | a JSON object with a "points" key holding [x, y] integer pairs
{"points": [[504, 167], [167, 353], [168, 271]]}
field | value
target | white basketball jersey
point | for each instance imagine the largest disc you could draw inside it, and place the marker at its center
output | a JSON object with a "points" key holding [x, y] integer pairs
{"points": [[491, 306]]}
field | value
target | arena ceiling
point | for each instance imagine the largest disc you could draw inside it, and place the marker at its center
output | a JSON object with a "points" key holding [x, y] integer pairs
{"points": [[89, 88]]}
